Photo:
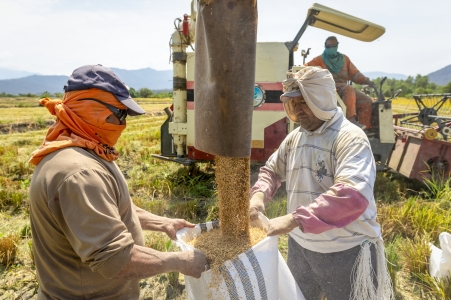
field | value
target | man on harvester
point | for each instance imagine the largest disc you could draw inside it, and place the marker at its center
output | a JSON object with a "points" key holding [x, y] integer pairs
{"points": [[334, 241], [358, 105]]}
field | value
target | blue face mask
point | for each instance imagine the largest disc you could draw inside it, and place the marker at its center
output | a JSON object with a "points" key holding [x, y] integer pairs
{"points": [[331, 51], [333, 59]]}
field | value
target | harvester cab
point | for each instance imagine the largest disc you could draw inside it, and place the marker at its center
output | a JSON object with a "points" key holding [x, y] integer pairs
{"points": [[273, 60]]}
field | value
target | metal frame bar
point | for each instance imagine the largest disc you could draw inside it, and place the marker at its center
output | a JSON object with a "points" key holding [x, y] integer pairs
{"points": [[301, 31]]}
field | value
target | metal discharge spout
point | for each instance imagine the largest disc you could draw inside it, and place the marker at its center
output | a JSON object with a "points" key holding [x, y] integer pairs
{"points": [[226, 33]]}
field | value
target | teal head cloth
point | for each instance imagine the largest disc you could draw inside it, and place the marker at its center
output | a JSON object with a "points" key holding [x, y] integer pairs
{"points": [[333, 59]]}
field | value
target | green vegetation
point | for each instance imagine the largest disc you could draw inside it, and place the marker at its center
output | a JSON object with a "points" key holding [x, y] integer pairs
{"points": [[141, 93], [148, 93], [411, 215], [412, 85]]}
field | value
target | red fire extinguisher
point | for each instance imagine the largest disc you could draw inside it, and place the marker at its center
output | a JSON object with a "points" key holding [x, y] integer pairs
{"points": [[185, 25]]}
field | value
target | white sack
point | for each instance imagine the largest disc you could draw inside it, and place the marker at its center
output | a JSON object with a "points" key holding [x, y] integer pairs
{"points": [[440, 259], [434, 261], [259, 273]]}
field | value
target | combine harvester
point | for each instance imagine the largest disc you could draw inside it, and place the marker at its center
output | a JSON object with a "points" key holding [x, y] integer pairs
{"points": [[422, 146], [406, 143]]}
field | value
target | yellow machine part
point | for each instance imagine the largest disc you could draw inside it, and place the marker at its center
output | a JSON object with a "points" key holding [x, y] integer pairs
{"points": [[338, 22], [430, 134]]}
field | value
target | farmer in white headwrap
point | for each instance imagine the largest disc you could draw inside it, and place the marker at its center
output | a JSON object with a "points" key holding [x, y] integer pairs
{"points": [[334, 240]]}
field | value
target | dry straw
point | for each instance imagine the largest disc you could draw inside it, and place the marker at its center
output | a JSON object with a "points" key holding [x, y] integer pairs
{"points": [[8, 249]]}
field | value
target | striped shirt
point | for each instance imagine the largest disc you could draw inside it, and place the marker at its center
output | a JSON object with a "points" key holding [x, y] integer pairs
{"points": [[329, 176]]}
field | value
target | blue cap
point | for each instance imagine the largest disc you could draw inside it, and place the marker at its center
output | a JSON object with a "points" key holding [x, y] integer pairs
{"points": [[100, 77]]}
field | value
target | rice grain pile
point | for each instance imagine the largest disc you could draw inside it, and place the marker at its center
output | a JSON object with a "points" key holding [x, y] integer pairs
{"points": [[220, 248], [235, 235]]}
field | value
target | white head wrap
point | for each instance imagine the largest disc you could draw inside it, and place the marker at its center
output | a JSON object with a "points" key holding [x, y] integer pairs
{"points": [[317, 86]]}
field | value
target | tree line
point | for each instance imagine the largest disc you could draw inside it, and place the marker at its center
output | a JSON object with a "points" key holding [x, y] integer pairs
{"points": [[410, 86], [140, 93]]}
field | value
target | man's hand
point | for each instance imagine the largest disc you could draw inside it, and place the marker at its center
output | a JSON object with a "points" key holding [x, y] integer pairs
{"points": [[372, 84], [174, 225], [193, 263], [281, 225], [256, 205]]}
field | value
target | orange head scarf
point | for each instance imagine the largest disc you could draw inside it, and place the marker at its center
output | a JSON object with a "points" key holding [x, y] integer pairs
{"points": [[81, 123]]}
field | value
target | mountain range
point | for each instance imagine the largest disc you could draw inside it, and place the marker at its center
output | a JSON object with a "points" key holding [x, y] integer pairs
{"points": [[442, 76], [23, 82], [38, 84], [374, 75]]}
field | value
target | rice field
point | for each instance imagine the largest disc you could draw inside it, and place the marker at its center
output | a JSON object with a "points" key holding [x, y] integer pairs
{"points": [[411, 214], [408, 105]]}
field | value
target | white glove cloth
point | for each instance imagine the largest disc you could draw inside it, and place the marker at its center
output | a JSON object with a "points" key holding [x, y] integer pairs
{"points": [[256, 205]]}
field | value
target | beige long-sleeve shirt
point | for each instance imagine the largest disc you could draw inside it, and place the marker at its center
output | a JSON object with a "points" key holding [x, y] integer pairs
{"points": [[83, 226]]}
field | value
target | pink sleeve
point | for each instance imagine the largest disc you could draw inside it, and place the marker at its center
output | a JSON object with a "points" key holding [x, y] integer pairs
{"points": [[328, 212], [268, 183]]}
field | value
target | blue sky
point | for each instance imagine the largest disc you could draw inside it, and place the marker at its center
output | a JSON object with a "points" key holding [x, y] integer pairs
{"points": [[53, 37]]}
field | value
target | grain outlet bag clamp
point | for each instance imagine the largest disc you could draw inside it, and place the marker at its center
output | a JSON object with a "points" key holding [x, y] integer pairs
{"points": [[258, 273]]}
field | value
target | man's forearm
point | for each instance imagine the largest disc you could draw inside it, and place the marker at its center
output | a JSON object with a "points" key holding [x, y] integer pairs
{"points": [[150, 221], [146, 262], [268, 183], [153, 222]]}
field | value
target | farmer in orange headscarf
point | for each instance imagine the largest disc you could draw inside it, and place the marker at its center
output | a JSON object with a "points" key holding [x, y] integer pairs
{"points": [[358, 105], [87, 233]]}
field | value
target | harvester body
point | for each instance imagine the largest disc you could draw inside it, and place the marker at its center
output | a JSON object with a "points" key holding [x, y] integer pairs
{"points": [[269, 122]]}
